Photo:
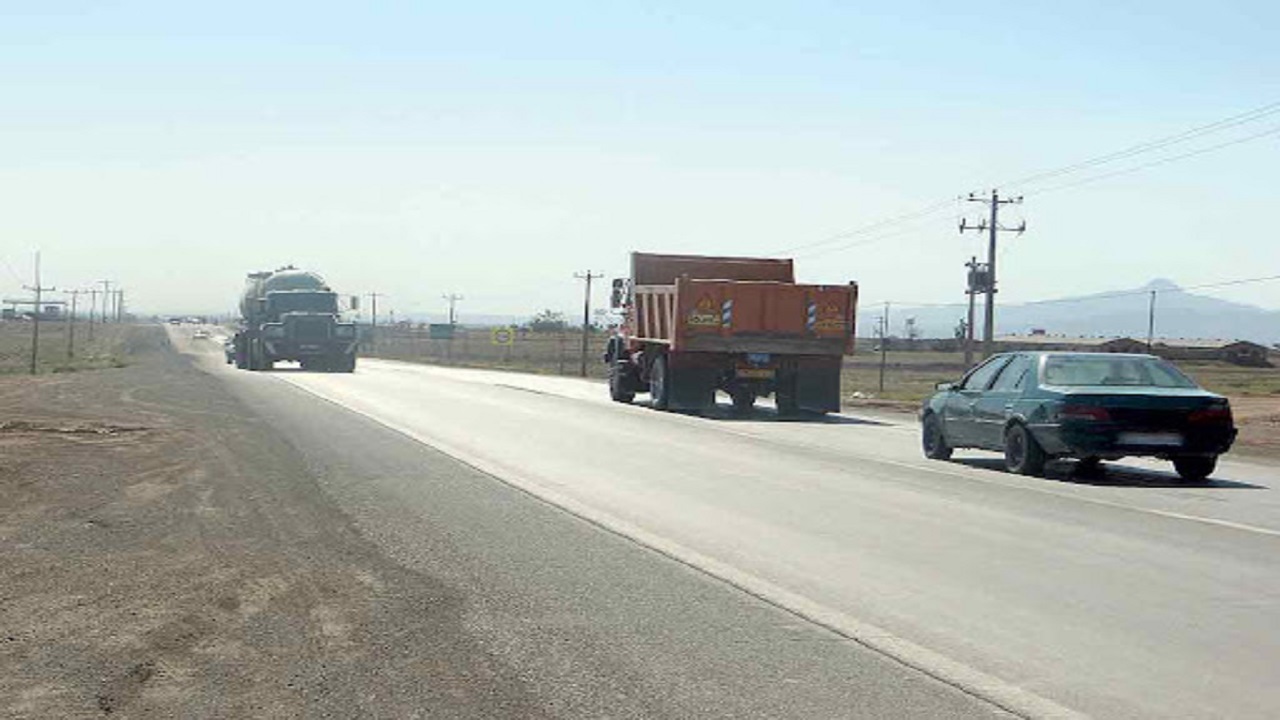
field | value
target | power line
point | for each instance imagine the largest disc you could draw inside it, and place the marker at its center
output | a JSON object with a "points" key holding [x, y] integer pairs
{"points": [[1163, 161], [920, 213], [875, 229], [1151, 145]]}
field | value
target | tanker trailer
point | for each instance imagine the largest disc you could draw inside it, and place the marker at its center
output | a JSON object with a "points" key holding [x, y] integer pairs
{"points": [[293, 315]]}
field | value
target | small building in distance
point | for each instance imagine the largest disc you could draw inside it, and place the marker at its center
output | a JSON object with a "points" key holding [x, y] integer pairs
{"points": [[1236, 352], [1045, 341]]}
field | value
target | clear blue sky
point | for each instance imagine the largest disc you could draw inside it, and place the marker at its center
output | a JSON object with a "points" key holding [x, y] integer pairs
{"points": [[495, 148]]}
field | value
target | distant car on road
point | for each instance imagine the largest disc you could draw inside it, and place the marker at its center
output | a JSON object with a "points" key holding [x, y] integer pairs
{"points": [[1038, 406], [200, 334]]}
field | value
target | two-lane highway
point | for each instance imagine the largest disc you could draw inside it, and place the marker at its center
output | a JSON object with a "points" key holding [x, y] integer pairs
{"points": [[1126, 596]]}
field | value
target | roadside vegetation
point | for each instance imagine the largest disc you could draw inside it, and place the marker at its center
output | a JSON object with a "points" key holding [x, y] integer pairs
{"points": [[112, 346]]}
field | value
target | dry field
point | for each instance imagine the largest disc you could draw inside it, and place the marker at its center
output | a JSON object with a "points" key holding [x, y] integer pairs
{"points": [[109, 347]]}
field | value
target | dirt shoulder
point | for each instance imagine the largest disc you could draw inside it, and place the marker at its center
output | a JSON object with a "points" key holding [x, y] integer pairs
{"points": [[164, 554]]}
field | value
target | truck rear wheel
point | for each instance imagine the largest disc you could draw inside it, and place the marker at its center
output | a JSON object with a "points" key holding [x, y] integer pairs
{"points": [[660, 383], [785, 398]]}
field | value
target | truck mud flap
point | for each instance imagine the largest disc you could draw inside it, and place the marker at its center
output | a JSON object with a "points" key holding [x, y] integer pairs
{"points": [[693, 388], [818, 384]]}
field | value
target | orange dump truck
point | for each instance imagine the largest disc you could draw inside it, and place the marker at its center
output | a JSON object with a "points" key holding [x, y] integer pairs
{"points": [[695, 324]]}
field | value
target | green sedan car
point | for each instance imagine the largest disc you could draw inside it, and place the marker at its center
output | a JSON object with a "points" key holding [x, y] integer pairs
{"points": [[1038, 406]]}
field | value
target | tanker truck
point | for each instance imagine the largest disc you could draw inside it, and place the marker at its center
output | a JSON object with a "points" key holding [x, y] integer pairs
{"points": [[291, 314]]}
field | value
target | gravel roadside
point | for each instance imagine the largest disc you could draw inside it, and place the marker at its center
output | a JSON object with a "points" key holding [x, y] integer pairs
{"points": [[163, 553]]}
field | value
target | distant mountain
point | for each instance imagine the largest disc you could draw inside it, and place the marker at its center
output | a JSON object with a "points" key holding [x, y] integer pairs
{"points": [[1179, 314]]}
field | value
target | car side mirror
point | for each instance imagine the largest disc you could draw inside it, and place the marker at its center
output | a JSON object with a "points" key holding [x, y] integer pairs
{"points": [[945, 386]]}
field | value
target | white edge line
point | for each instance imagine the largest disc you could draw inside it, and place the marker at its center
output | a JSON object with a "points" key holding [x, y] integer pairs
{"points": [[1000, 693]]}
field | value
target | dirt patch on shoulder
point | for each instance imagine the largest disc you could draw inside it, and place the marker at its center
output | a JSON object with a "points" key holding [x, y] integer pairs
{"points": [[164, 554]]}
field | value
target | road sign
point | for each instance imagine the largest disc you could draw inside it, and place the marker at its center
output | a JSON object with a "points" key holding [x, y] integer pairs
{"points": [[503, 336], [440, 331]]}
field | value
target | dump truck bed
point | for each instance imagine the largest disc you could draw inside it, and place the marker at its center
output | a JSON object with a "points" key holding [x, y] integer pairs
{"points": [[759, 308]]}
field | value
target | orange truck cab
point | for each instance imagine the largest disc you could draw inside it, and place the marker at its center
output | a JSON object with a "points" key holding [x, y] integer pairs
{"points": [[695, 324]]}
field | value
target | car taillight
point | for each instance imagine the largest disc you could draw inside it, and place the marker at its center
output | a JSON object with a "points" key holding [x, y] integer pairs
{"points": [[1091, 413], [1210, 415]]}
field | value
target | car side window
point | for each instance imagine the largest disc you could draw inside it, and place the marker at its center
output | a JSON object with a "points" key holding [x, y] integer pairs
{"points": [[981, 375], [1013, 375]]}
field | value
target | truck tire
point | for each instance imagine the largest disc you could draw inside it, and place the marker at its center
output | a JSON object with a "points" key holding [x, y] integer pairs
{"points": [[784, 398], [347, 364], [660, 383], [620, 387]]}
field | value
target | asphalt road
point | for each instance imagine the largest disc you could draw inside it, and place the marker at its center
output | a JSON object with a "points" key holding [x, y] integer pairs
{"points": [[1127, 595]]}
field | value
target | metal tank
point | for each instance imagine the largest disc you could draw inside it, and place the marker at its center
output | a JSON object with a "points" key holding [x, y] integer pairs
{"points": [[289, 278]]}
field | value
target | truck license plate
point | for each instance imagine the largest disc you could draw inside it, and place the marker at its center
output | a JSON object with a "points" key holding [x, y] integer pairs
{"points": [[756, 373], [1162, 439]]}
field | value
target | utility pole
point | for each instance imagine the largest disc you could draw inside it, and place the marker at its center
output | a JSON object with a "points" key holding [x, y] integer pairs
{"points": [[452, 299], [586, 315], [993, 227], [93, 307], [975, 285], [71, 323], [38, 289], [1151, 320], [120, 305], [106, 299], [373, 308], [884, 343]]}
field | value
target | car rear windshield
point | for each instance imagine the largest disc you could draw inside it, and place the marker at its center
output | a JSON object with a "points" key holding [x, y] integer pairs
{"points": [[1118, 370]]}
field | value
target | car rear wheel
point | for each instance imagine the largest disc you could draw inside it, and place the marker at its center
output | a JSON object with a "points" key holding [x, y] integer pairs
{"points": [[933, 441], [1195, 469], [1022, 454]]}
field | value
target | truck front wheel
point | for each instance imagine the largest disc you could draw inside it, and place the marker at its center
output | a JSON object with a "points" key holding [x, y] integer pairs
{"points": [[620, 387]]}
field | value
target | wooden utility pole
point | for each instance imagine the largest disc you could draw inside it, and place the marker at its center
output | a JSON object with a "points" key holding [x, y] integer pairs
{"points": [[93, 307], [106, 299], [39, 290], [1151, 320], [586, 316], [71, 323], [974, 286], [452, 299], [373, 324], [991, 226], [884, 343]]}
